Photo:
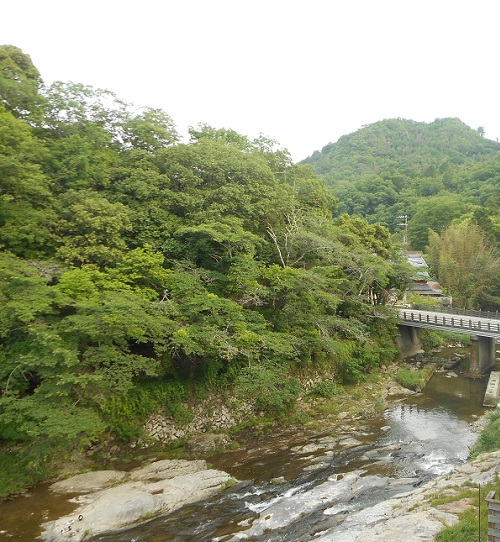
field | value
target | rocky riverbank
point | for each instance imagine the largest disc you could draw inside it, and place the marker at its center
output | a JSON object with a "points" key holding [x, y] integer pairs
{"points": [[412, 516], [113, 500], [110, 501]]}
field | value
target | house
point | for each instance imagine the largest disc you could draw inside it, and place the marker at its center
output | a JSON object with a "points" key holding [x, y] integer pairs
{"points": [[422, 283]]}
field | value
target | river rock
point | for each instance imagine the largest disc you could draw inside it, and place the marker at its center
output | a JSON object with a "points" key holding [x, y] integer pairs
{"points": [[349, 442], [88, 482], [309, 448], [335, 491], [155, 489], [167, 468], [410, 516], [406, 515]]}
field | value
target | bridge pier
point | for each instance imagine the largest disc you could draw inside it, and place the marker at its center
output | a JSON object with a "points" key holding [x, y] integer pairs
{"points": [[483, 354], [408, 340]]}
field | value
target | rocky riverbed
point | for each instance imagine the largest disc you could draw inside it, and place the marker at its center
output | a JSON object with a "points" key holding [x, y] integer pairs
{"points": [[112, 500], [358, 493], [411, 516]]}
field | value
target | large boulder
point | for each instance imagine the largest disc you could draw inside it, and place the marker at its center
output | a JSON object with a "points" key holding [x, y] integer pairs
{"points": [[157, 488]]}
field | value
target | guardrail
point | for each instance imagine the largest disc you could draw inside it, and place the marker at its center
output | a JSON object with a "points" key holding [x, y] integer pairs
{"points": [[463, 312], [451, 322], [493, 517]]}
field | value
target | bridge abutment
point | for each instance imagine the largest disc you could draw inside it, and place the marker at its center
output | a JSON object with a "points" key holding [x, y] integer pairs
{"points": [[409, 341], [483, 354]]}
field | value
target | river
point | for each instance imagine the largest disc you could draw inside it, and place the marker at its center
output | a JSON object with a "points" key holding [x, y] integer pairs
{"points": [[292, 484]]}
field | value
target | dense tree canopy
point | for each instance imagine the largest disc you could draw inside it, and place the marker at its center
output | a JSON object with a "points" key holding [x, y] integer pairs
{"points": [[20, 82], [467, 265], [443, 176], [129, 259], [388, 168]]}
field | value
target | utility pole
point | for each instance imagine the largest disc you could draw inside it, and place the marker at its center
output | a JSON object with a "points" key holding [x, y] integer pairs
{"points": [[405, 224]]}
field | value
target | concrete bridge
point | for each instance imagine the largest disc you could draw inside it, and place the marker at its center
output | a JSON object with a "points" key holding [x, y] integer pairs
{"points": [[483, 326]]}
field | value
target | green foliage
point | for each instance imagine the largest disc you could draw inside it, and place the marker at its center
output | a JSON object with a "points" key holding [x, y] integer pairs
{"points": [[466, 264], [26, 216], [444, 176], [473, 525], [431, 172], [326, 389], [433, 213], [125, 414], [36, 435], [22, 467], [91, 229], [353, 362], [489, 439], [465, 531], [404, 146], [412, 380], [432, 339], [132, 266], [150, 130], [49, 418], [19, 81], [267, 389]]}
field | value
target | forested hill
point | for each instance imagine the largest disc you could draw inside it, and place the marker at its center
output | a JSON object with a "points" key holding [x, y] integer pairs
{"points": [[435, 173], [410, 147], [138, 273]]}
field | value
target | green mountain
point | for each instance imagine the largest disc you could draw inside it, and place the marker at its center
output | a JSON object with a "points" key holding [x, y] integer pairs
{"points": [[434, 173], [413, 148]]}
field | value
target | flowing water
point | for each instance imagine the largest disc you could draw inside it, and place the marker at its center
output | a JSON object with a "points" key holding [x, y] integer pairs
{"points": [[287, 476]]}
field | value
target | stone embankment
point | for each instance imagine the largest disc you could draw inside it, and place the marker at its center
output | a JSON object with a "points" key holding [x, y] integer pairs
{"points": [[211, 414], [113, 500], [212, 418], [492, 395]]}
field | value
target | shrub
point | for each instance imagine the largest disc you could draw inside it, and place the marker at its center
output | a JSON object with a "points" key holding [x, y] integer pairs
{"points": [[489, 439], [326, 389], [126, 414], [23, 467], [432, 338], [268, 387], [412, 380]]}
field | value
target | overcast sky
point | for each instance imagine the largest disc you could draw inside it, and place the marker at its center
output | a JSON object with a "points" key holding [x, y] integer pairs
{"points": [[301, 72]]}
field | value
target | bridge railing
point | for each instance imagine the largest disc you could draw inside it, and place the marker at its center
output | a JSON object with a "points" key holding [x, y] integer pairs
{"points": [[464, 312], [447, 321]]}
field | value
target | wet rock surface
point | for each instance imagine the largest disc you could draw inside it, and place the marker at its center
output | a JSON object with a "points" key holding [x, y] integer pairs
{"points": [[410, 516], [405, 515], [113, 500]]}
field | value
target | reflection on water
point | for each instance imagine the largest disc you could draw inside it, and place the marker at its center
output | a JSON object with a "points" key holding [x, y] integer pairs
{"points": [[21, 517], [433, 440], [451, 391]]}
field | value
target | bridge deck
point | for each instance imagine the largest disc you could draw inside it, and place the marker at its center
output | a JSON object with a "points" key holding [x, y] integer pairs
{"points": [[457, 323]]}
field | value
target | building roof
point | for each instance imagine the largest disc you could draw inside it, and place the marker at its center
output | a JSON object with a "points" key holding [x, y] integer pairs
{"points": [[421, 283], [416, 258], [427, 288]]}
